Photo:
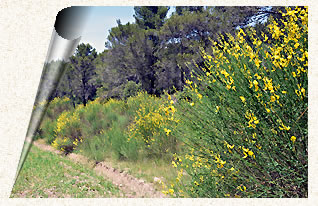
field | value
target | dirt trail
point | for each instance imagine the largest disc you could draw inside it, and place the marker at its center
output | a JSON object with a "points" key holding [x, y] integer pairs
{"points": [[131, 186]]}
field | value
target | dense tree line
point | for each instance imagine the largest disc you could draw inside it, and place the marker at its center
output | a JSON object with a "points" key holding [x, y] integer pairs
{"points": [[155, 53]]}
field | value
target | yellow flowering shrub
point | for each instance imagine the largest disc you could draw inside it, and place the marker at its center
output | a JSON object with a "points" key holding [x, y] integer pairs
{"points": [[72, 125], [153, 124], [67, 132], [244, 114], [54, 109]]}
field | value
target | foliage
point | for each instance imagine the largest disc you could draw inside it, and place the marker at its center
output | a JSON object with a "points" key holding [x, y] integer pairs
{"points": [[106, 125], [153, 123], [150, 17], [180, 10], [47, 130], [244, 115], [131, 89], [129, 57], [79, 81]]}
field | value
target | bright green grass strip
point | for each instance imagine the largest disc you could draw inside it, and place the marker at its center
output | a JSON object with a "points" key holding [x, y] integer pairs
{"points": [[45, 174]]}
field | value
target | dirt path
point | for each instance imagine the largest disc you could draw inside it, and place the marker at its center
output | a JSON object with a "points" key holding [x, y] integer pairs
{"points": [[131, 186]]}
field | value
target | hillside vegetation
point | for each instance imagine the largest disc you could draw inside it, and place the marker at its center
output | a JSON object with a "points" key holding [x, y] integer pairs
{"points": [[238, 127]]}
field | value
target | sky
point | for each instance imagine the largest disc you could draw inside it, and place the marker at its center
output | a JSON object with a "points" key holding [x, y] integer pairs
{"points": [[102, 20]]}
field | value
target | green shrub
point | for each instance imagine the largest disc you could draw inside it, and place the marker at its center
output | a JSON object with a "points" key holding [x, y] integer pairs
{"points": [[96, 148], [47, 130], [131, 89], [121, 148], [111, 138], [57, 106]]}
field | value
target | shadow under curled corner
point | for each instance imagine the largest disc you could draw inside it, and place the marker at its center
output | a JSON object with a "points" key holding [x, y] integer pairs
{"points": [[69, 25]]}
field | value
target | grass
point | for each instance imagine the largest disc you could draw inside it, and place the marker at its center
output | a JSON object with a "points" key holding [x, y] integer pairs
{"points": [[147, 169], [46, 174]]}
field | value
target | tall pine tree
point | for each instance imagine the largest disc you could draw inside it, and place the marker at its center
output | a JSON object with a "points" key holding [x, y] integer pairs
{"points": [[82, 84]]}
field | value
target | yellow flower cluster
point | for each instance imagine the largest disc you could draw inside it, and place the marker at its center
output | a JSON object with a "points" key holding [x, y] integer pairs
{"points": [[252, 119], [58, 100], [64, 119], [154, 122], [247, 152]]}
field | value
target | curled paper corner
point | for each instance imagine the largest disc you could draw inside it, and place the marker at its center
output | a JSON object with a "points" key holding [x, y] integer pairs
{"points": [[71, 21], [69, 25]]}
